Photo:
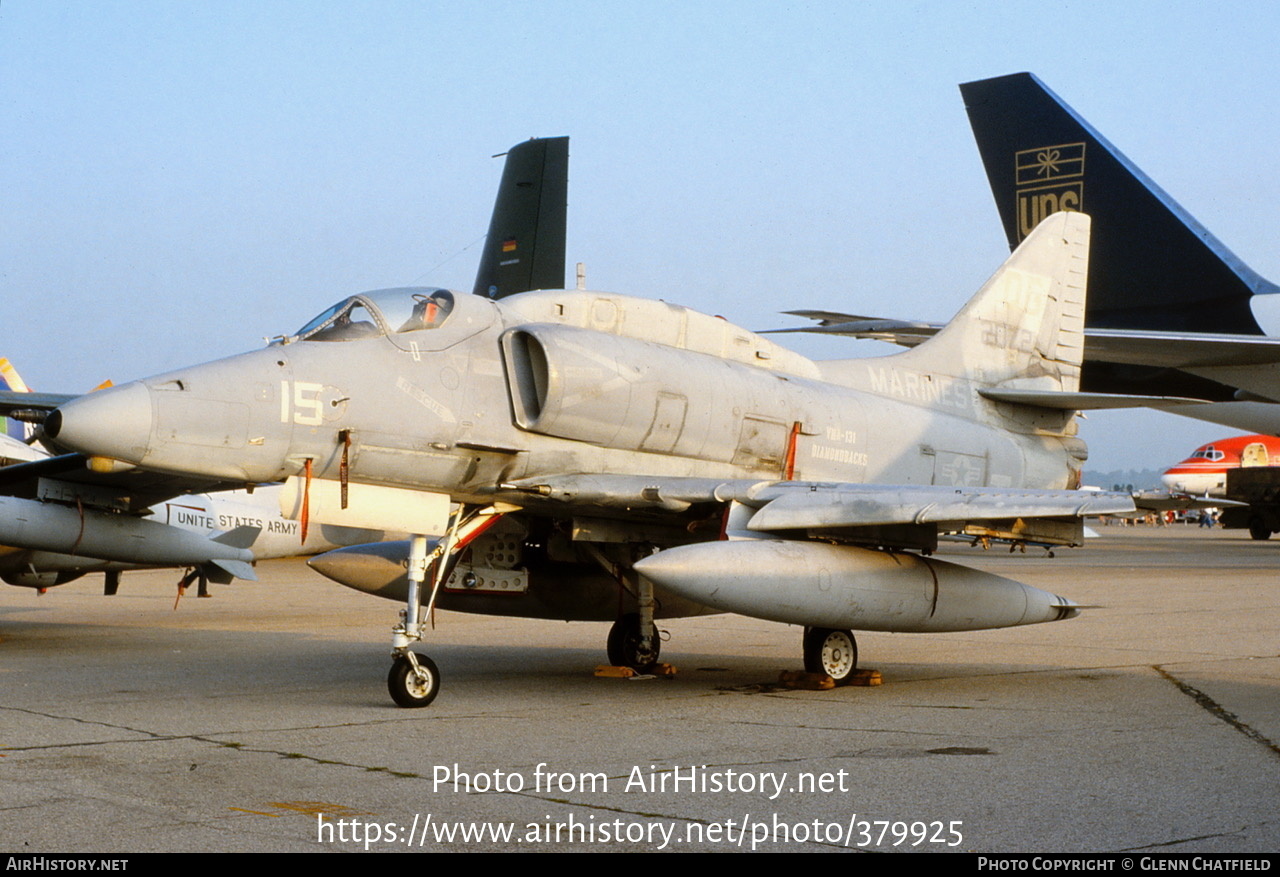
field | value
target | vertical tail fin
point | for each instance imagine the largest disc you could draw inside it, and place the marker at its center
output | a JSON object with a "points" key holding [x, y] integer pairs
{"points": [[1025, 328], [525, 246], [1153, 266]]}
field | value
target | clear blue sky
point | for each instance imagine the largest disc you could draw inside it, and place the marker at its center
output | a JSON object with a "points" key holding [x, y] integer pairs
{"points": [[181, 179]]}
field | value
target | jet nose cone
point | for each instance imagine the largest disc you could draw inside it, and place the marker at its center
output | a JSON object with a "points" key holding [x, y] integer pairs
{"points": [[115, 422]]}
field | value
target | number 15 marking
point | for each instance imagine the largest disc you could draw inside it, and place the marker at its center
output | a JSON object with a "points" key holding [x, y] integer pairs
{"points": [[306, 407]]}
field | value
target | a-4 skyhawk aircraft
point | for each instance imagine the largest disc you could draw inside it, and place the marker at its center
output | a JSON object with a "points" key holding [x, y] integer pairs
{"points": [[620, 458]]}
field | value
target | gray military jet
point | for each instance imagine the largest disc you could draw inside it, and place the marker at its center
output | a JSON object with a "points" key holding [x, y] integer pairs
{"points": [[589, 455]]}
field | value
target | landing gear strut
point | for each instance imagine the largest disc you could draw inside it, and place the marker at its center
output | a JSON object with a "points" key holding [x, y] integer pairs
{"points": [[834, 652], [414, 679], [633, 640]]}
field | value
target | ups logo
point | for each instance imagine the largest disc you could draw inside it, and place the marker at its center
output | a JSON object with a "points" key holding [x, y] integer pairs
{"points": [[1047, 179]]}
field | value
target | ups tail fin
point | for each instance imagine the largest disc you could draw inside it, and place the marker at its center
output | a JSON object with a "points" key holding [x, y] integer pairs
{"points": [[1025, 328], [1153, 266], [525, 246]]}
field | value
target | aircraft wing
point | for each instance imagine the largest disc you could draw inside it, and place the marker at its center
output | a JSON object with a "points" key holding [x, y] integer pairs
{"points": [[1180, 350], [14, 400], [14, 451], [1087, 401], [828, 317], [803, 506], [131, 490], [1164, 501], [859, 512], [905, 333], [1185, 350]]}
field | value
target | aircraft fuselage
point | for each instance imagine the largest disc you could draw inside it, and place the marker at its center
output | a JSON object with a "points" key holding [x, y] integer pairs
{"points": [[562, 382]]}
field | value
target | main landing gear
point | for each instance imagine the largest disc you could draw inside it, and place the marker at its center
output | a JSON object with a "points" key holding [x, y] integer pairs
{"points": [[628, 647], [834, 652], [634, 640]]}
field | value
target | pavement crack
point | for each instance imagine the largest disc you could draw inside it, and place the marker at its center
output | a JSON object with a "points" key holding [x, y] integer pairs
{"points": [[98, 724], [153, 737], [839, 729], [313, 759], [1217, 710]]}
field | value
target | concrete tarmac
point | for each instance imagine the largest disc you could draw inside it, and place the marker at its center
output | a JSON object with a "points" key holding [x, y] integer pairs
{"points": [[259, 721]]}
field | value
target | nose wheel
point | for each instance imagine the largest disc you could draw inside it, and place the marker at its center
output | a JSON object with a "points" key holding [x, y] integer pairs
{"points": [[834, 652], [414, 680]]}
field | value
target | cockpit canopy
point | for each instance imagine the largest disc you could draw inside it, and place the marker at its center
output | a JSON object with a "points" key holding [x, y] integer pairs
{"points": [[388, 312]]}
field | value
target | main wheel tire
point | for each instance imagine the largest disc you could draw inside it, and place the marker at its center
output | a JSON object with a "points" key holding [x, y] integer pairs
{"points": [[409, 689], [834, 652], [623, 645], [1258, 530]]}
